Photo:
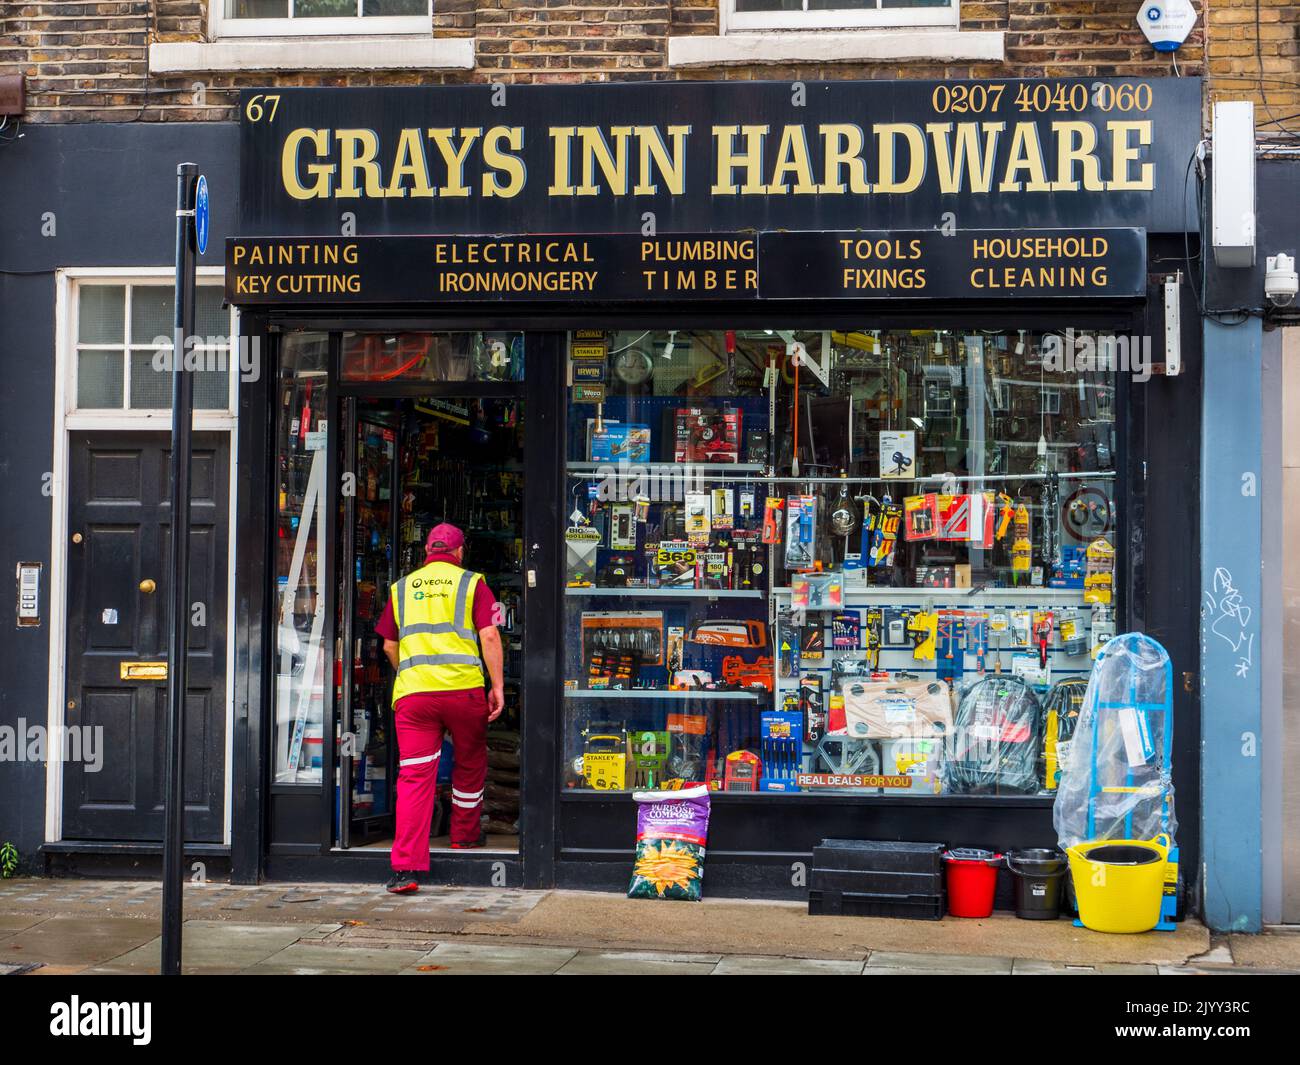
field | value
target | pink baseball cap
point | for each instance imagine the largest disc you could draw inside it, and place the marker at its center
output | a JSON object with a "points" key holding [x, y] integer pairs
{"points": [[443, 539]]}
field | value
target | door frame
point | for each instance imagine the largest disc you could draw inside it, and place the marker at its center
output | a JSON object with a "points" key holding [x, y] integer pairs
{"points": [[67, 419], [342, 437]]}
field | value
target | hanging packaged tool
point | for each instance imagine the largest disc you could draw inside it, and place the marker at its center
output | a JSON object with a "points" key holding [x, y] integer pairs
{"points": [[924, 628], [698, 510], [1103, 628], [921, 517], [1051, 507], [772, 520], [1006, 515], [884, 538], [1044, 622], [801, 532], [873, 631], [723, 515], [1098, 581], [1074, 635], [1022, 545]]}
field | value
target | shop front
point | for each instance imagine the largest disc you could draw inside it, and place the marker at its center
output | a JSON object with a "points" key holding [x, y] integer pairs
{"points": [[812, 437]]}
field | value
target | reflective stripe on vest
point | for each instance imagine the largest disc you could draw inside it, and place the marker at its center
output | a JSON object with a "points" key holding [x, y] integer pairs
{"points": [[437, 642]]}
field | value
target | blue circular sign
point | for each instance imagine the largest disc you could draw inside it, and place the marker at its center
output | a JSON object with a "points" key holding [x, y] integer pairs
{"points": [[201, 214]]}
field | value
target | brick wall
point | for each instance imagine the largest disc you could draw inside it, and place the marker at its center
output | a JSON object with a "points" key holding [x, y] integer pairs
{"points": [[1264, 66], [86, 60]]}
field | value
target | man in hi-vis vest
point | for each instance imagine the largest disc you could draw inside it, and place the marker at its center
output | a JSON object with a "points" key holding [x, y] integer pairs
{"points": [[437, 621]]}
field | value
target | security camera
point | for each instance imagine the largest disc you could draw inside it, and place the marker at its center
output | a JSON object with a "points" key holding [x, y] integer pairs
{"points": [[1280, 282]]}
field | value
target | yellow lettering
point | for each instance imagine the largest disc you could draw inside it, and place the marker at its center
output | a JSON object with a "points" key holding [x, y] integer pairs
{"points": [[357, 151], [843, 144], [503, 161], [1076, 142], [454, 158], [1123, 152], [320, 172], [410, 163], [729, 160], [888, 179], [1026, 154], [967, 157]]}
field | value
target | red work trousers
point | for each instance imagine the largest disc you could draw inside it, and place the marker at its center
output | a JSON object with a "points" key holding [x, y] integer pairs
{"points": [[421, 720]]}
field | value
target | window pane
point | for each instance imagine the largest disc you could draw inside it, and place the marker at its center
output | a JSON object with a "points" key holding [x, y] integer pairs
{"points": [[395, 7], [151, 313], [433, 356], [325, 9], [102, 311], [212, 387], [917, 612], [257, 8], [99, 379], [746, 6], [842, 5], [916, 3], [151, 389], [153, 309], [301, 655]]}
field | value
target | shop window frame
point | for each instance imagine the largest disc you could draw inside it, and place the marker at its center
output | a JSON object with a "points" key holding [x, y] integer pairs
{"points": [[578, 839], [1128, 578]]}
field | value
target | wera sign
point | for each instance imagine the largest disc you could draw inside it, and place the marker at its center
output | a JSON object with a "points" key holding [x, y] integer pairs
{"points": [[618, 268], [691, 157]]}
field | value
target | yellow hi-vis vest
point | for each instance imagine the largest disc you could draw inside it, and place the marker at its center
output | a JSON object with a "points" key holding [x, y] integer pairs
{"points": [[437, 647]]}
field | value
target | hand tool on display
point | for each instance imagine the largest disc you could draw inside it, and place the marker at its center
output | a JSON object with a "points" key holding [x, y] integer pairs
{"points": [[1043, 624]]}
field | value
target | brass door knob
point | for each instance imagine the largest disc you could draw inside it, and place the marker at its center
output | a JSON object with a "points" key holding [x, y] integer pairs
{"points": [[76, 538], [148, 586]]}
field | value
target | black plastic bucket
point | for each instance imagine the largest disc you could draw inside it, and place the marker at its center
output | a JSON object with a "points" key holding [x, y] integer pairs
{"points": [[1039, 873]]}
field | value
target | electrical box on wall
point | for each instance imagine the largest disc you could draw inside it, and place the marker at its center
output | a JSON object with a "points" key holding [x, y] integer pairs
{"points": [[1232, 183], [13, 95]]}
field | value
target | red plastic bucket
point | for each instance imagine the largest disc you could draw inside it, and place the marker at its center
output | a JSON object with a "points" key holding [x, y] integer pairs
{"points": [[972, 880]]}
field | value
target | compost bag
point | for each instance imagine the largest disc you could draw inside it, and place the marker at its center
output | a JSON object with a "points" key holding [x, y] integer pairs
{"points": [[672, 828], [1115, 776]]}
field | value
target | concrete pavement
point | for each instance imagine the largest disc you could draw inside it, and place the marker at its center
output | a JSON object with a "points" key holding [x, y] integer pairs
{"points": [[49, 927]]}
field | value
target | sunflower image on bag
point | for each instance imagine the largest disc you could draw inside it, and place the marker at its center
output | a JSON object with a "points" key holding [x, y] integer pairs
{"points": [[672, 828]]}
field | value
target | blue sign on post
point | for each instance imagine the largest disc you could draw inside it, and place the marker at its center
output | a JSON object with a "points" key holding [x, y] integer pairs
{"points": [[201, 214]]}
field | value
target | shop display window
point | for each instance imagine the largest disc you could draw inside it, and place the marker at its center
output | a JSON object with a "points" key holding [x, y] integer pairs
{"points": [[301, 578], [866, 562]]}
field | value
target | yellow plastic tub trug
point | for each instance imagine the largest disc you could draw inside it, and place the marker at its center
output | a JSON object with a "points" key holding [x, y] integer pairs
{"points": [[1119, 883]]}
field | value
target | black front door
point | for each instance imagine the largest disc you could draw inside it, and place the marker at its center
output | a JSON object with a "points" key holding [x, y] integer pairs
{"points": [[117, 601]]}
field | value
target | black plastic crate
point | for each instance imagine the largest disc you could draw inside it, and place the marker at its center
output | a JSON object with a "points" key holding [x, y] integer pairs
{"points": [[883, 856], [875, 881], [861, 904]]}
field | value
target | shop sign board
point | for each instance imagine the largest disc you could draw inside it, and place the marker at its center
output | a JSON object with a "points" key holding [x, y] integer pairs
{"points": [[727, 157], [983, 265]]}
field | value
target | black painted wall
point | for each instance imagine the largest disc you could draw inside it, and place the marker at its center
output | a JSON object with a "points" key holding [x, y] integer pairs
{"points": [[106, 194]]}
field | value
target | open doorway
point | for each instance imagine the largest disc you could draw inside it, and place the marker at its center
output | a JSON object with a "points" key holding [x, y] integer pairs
{"points": [[419, 462]]}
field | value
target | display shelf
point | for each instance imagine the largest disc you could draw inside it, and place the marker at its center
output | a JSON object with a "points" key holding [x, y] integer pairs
{"points": [[722, 471], [669, 593], [651, 693], [1064, 596]]}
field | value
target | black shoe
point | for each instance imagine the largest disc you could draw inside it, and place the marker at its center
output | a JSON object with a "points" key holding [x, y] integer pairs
{"points": [[402, 883], [480, 842]]}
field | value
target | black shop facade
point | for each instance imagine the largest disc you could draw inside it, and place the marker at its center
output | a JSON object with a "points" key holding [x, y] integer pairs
{"points": [[754, 401]]}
